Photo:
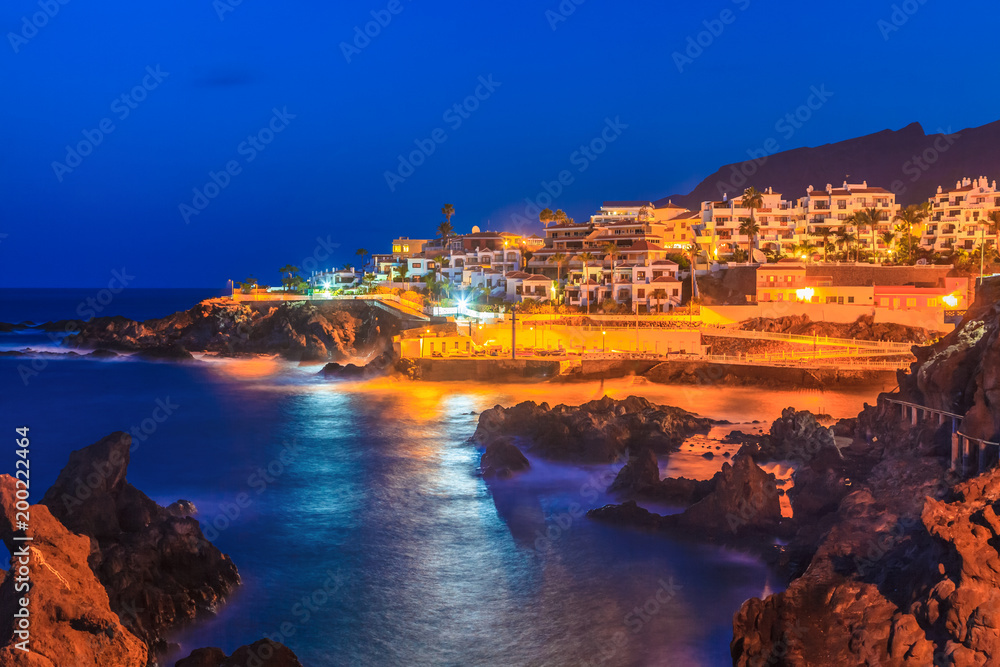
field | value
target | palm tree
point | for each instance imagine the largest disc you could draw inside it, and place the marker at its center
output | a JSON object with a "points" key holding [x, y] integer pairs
{"points": [[559, 259], [870, 217], [910, 217], [289, 274], [546, 216], [752, 199], [369, 281], [806, 249], [660, 294], [750, 229], [447, 212], [560, 216], [848, 239], [587, 258], [888, 238], [611, 249], [824, 233], [693, 251], [248, 285], [445, 230], [362, 253]]}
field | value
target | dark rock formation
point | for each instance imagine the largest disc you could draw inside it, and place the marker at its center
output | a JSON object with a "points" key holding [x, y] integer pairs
{"points": [[798, 436], [304, 331], [906, 568], [502, 459], [158, 569], [71, 622], [380, 365], [598, 431], [640, 474], [743, 503], [262, 653]]}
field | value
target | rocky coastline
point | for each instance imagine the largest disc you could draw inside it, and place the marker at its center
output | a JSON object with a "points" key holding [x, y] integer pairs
{"points": [[298, 331], [113, 573]]}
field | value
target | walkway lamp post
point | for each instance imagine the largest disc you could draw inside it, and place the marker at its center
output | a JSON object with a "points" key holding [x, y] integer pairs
{"points": [[604, 338]]}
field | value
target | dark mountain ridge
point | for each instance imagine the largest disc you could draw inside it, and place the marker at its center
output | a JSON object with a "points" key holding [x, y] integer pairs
{"points": [[908, 162]]}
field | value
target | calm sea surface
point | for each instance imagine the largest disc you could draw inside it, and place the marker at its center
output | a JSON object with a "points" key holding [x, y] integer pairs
{"points": [[357, 522]]}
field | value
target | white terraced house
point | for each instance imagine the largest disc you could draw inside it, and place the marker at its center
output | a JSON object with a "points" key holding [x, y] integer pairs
{"points": [[833, 209], [719, 232], [958, 216]]}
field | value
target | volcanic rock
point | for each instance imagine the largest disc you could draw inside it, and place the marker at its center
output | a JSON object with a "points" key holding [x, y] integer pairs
{"points": [[596, 432], [262, 653], [71, 621], [158, 569], [502, 459]]}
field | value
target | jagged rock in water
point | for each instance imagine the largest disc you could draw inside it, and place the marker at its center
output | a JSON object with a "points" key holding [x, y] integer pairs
{"points": [[71, 622], [262, 653], [502, 459], [158, 569]]}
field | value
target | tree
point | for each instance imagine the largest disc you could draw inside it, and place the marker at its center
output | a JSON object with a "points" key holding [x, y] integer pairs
{"points": [[693, 251], [612, 250], [888, 238], [870, 217], [546, 216], [559, 259], [362, 253], [248, 285], [752, 199], [587, 258], [560, 216], [447, 212], [993, 220], [824, 234], [908, 218], [660, 294], [848, 239], [805, 250], [369, 281], [290, 276], [445, 230]]}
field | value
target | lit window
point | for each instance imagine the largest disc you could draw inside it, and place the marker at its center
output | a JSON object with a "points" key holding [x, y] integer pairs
{"points": [[911, 303]]}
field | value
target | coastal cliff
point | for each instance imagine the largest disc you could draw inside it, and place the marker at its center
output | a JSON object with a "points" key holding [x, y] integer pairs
{"points": [[905, 568], [300, 331]]}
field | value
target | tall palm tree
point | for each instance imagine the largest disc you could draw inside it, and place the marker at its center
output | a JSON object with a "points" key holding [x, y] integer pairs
{"points": [[752, 199], [824, 234], [848, 239], [546, 216], [587, 258], [559, 259], [445, 230], [362, 253], [888, 238], [693, 251], [871, 217], [447, 211], [289, 273], [560, 216], [611, 249], [806, 249], [910, 217]]}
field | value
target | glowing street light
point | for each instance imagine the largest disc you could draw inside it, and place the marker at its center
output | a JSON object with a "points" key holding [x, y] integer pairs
{"points": [[950, 300], [604, 339]]}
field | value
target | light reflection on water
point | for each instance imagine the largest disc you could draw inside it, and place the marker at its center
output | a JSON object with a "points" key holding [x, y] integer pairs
{"points": [[433, 566]]}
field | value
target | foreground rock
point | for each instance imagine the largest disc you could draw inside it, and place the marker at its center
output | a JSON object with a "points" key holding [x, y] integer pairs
{"points": [[743, 503], [502, 459], [71, 620], [159, 571], [640, 478], [906, 571], [262, 653], [303, 331], [596, 432]]}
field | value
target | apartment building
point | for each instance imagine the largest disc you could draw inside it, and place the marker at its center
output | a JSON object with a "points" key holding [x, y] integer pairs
{"points": [[958, 216], [718, 233]]}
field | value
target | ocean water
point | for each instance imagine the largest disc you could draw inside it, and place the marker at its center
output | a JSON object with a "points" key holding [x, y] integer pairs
{"points": [[363, 535]]}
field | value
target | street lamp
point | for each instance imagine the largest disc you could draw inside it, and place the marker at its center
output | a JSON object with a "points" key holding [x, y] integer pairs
{"points": [[604, 339]]}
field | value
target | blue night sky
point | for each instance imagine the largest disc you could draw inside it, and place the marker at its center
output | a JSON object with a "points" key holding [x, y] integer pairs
{"points": [[324, 174]]}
